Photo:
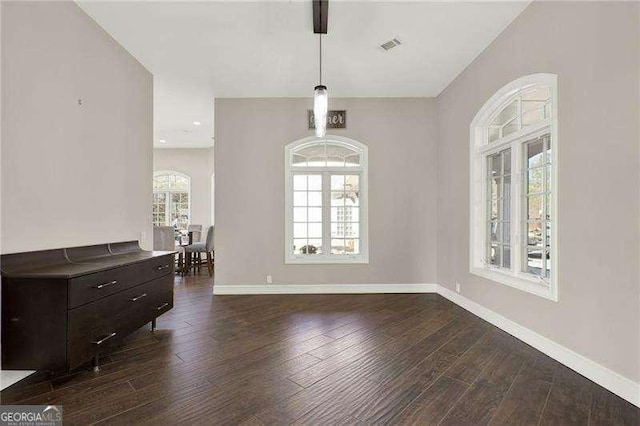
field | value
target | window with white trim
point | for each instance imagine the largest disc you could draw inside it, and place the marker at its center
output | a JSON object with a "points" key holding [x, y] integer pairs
{"points": [[513, 162], [171, 199], [326, 201]]}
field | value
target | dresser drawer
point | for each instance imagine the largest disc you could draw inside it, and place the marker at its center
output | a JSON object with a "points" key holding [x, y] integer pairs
{"points": [[141, 297], [88, 288], [111, 330]]}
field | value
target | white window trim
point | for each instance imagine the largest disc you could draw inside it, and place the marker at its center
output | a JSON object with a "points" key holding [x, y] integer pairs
{"points": [[177, 173], [478, 148], [362, 170]]}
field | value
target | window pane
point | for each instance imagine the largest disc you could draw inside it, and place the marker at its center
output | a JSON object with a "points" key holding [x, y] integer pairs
{"points": [[315, 198], [298, 244], [506, 256], [354, 214], [315, 230], [335, 162], [494, 133], [299, 198], [534, 153], [534, 260], [337, 198], [534, 116], [299, 230], [352, 182], [507, 161], [494, 232], [300, 182], [315, 182], [539, 94], [509, 128], [534, 207], [298, 161], [337, 246], [494, 255], [507, 187], [299, 214], [547, 174], [352, 160], [337, 182], [506, 232], [495, 165], [315, 246], [548, 264], [338, 151], [351, 230], [352, 246], [493, 213], [534, 234], [535, 181], [506, 114], [337, 230], [315, 214]]}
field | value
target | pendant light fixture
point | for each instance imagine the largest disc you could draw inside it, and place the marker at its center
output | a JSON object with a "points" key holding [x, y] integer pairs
{"points": [[320, 95], [320, 102]]}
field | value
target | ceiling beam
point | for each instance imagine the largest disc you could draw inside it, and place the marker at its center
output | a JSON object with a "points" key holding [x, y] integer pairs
{"points": [[320, 15]]}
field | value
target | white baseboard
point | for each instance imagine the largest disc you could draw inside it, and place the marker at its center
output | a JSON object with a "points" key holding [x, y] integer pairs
{"points": [[323, 289], [620, 385]]}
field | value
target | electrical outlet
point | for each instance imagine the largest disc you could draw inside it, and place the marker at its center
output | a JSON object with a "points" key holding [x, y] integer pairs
{"points": [[457, 287], [269, 279]]}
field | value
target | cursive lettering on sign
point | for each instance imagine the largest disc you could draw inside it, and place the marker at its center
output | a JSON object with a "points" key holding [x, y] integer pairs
{"points": [[336, 119]]}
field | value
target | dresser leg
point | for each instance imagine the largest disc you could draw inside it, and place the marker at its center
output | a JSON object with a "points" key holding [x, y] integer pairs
{"points": [[96, 365], [153, 324]]}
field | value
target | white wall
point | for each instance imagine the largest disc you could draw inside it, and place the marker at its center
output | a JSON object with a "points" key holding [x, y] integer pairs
{"points": [[71, 174], [593, 47], [250, 139], [197, 163]]}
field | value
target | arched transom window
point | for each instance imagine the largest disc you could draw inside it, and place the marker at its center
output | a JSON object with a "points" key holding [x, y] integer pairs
{"points": [[326, 201], [514, 184], [171, 199]]}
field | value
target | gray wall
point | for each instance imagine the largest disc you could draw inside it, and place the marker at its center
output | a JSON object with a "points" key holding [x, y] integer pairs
{"points": [[71, 174], [250, 139], [593, 47]]}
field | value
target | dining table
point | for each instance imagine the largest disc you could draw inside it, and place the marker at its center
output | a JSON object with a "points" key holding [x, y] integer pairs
{"points": [[184, 261]]}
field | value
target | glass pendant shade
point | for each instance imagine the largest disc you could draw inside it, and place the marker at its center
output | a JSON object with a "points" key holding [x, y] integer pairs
{"points": [[320, 106]]}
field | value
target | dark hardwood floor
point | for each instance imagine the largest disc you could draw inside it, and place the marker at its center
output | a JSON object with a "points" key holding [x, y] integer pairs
{"points": [[329, 359]]}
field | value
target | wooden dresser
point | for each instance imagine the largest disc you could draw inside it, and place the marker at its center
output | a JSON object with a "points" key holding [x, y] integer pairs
{"points": [[63, 308]]}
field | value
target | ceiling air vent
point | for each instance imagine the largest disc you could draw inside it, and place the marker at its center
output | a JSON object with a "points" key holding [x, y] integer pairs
{"points": [[391, 44]]}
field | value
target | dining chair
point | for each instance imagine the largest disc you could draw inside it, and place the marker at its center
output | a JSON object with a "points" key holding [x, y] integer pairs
{"points": [[164, 240], [196, 249], [197, 232]]}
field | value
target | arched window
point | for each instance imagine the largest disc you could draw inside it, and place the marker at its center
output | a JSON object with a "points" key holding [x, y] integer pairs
{"points": [[171, 199], [326, 201], [513, 160]]}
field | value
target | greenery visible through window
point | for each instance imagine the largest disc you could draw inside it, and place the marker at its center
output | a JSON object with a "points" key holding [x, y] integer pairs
{"points": [[171, 200], [513, 186]]}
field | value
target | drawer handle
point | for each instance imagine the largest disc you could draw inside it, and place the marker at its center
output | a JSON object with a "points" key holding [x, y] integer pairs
{"points": [[104, 339], [160, 268], [103, 285], [161, 307], [135, 299]]}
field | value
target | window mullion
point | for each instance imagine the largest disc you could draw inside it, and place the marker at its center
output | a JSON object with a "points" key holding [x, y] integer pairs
{"points": [[326, 214], [517, 228]]}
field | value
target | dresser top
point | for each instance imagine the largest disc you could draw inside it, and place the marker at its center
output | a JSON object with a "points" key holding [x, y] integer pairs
{"points": [[74, 261]]}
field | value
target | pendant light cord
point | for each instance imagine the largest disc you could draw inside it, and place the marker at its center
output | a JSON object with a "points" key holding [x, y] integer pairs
{"points": [[320, 37]]}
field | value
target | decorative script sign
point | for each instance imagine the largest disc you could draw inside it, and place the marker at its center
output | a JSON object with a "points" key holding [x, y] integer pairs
{"points": [[336, 119]]}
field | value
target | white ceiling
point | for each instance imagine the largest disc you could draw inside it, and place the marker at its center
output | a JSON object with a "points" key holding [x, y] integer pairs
{"points": [[198, 51]]}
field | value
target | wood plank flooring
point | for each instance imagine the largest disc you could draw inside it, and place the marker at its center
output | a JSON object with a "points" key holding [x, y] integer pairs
{"points": [[325, 360]]}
